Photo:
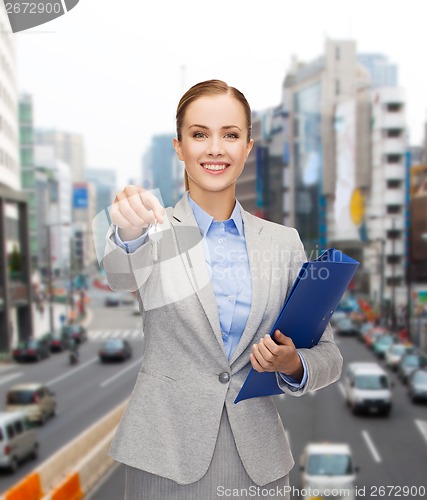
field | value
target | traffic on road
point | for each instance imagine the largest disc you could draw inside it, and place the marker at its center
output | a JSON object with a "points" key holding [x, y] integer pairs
{"points": [[366, 432]]}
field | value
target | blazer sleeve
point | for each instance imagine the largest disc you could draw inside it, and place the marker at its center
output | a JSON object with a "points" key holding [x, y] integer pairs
{"points": [[323, 361], [126, 271]]}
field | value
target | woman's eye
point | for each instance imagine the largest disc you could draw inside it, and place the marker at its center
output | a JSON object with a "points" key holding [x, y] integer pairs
{"points": [[199, 135], [232, 135]]}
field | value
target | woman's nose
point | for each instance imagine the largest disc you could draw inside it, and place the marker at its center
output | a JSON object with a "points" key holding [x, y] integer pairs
{"points": [[215, 147]]}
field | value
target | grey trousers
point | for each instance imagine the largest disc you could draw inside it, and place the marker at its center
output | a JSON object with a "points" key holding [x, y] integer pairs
{"points": [[225, 476]]}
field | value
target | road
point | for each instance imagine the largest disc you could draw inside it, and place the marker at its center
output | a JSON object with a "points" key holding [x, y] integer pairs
{"points": [[389, 451], [85, 393]]}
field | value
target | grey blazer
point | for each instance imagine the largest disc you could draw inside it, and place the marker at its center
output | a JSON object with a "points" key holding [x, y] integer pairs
{"points": [[171, 421]]}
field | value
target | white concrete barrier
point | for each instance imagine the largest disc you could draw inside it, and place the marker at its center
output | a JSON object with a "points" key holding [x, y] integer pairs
{"points": [[74, 469]]}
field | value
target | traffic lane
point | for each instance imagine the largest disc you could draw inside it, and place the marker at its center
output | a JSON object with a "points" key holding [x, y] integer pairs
{"points": [[394, 442], [82, 395], [323, 416], [81, 402], [397, 439]]}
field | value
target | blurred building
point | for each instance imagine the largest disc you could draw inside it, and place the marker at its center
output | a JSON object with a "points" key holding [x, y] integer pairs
{"points": [[84, 211], [162, 170], [382, 72], [26, 144], [15, 271], [105, 182], [68, 147], [386, 202], [330, 160], [312, 92], [419, 224], [54, 194], [263, 187], [418, 255]]}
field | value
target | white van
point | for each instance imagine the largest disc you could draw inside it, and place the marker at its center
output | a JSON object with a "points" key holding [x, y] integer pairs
{"points": [[368, 388], [327, 471], [18, 440]]}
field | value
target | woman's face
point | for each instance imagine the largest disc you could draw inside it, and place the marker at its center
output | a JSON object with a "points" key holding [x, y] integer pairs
{"points": [[213, 142]]}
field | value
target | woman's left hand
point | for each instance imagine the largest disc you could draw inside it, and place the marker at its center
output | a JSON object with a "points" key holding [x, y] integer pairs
{"points": [[267, 356]]}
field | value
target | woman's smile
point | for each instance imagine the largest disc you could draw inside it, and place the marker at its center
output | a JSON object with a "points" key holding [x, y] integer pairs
{"points": [[215, 167]]}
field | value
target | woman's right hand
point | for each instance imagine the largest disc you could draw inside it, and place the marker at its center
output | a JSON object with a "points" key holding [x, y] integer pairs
{"points": [[133, 210]]}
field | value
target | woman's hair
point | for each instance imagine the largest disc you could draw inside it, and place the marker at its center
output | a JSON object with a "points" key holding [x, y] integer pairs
{"points": [[208, 88]]}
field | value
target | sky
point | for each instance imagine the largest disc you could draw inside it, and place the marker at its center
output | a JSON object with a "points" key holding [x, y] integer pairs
{"points": [[114, 71]]}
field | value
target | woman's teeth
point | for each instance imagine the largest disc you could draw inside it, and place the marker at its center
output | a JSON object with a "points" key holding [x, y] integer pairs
{"points": [[214, 167]]}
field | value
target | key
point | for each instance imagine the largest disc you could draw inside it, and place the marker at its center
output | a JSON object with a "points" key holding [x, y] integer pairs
{"points": [[155, 235]]}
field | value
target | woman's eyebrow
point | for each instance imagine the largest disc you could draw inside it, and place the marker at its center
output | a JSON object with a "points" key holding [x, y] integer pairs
{"points": [[226, 127]]}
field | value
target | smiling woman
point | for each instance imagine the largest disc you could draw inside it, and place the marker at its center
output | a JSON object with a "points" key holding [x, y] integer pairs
{"points": [[206, 317]]}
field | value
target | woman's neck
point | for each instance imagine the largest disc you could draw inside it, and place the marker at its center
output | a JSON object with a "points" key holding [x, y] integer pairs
{"points": [[219, 204]]}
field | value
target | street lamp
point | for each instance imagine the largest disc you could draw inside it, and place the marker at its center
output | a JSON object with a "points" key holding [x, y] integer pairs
{"points": [[49, 267]]}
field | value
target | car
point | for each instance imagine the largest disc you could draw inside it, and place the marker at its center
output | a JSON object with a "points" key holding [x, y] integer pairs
{"points": [[395, 353], [31, 350], [112, 300], [59, 341], [346, 326], [368, 336], [75, 332], [364, 329], [367, 388], [338, 316], [382, 344], [115, 349], [373, 336], [327, 466], [127, 298], [410, 362], [36, 400], [18, 440], [417, 386]]}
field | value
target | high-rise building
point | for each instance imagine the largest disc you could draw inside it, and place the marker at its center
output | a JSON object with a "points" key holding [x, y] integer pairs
{"points": [[57, 227], [312, 92], [382, 73], [330, 160], [105, 182], [28, 173], [68, 147], [162, 170], [15, 267]]}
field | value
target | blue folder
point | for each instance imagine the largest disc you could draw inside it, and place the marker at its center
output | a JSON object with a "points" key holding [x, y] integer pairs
{"points": [[313, 298]]}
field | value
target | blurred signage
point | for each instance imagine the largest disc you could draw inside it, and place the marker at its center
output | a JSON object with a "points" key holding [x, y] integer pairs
{"points": [[422, 297], [80, 196]]}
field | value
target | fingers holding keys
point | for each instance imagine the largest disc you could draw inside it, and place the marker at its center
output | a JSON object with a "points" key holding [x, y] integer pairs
{"points": [[134, 209]]}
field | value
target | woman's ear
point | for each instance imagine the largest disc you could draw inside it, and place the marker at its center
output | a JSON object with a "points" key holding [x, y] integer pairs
{"points": [[178, 149], [249, 148]]}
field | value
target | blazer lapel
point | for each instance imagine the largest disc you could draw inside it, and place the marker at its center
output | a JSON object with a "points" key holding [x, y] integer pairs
{"points": [[257, 243]]}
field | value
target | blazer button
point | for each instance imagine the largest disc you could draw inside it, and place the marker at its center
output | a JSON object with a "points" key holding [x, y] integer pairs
{"points": [[224, 377]]}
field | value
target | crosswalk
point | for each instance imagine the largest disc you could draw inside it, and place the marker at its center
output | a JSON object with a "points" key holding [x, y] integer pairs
{"points": [[97, 335]]}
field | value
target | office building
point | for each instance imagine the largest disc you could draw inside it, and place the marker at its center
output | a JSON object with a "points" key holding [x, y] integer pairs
{"points": [[16, 322]]}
